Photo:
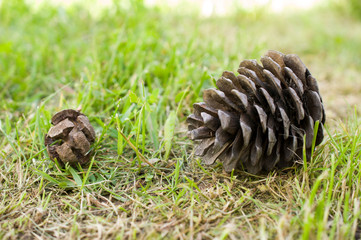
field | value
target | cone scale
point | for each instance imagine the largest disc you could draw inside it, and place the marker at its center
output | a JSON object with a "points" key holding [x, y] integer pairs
{"points": [[257, 120]]}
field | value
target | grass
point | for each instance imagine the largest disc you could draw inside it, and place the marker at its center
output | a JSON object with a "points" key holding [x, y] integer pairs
{"points": [[135, 71]]}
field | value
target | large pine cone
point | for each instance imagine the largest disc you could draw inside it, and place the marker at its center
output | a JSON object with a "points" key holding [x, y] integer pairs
{"points": [[257, 120], [70, 139]]}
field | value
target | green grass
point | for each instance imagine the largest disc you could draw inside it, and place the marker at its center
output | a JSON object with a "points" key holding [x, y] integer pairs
{"points": [[135, 72]]}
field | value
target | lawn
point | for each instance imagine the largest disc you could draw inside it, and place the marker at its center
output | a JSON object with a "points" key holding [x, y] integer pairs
{"points": [[136, 71]]}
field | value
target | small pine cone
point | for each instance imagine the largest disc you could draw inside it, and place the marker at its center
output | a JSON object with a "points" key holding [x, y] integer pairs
{"points": [[257, 120], [70, 139]]}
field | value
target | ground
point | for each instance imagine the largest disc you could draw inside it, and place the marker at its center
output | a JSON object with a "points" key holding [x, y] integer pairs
{"points": [[137, 71]]}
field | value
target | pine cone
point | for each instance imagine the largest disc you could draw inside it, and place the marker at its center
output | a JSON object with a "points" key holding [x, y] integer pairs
{"points": [[257, 120], [70, 138]]}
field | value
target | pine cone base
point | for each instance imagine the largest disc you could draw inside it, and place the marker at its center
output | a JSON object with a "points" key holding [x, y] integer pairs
{"points": [[258, 120], [70, 139]]}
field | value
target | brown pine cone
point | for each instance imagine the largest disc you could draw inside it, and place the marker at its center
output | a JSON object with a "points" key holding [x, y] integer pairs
{"points": [[70, 139], [257, 120]]}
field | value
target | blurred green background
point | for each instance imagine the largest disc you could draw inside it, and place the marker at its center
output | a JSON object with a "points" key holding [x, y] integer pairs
{"points": [[110, 46]]}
